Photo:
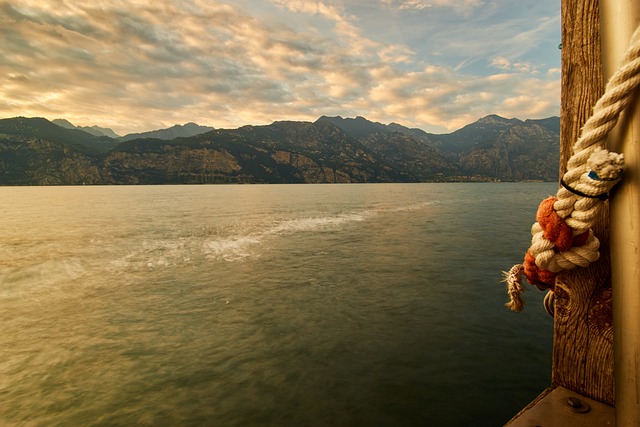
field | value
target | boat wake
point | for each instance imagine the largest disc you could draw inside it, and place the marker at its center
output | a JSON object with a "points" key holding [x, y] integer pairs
{"points": [[170, 245], [243, 246]]}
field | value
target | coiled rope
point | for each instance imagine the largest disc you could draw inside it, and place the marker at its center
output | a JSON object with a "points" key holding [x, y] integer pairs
{"points": [[562, 238]]}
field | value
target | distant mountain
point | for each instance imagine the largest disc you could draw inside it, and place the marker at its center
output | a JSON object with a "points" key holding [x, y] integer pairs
{"points": [[41, 128], [284, 152], [508, 149], [552, 124], [177, 131], [358, 127], [332, 149], [491, 148], [93, 130], [34, 151], [402, 148]]}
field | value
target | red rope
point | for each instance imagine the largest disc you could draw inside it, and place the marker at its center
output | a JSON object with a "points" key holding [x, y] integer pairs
{"points": [[560, 234], [555, 229]]}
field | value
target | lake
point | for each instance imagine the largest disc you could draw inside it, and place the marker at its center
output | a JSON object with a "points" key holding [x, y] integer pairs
{"points": [[268, 305]]}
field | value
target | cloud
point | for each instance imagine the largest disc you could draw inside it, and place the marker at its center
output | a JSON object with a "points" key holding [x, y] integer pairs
{"points": [[139, 65], [311, 7], [457, 5], [438, 95], [504, 64]]}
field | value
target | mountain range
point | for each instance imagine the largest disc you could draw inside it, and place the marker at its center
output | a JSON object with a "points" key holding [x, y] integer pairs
{"points": [[36, 151], [93, 130], [176, 131]]}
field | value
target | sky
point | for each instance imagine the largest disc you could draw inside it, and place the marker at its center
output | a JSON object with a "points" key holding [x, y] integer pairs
{"points": [[139, 65]]}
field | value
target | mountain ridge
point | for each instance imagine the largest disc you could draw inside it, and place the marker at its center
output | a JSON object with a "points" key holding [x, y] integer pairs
{"points": [[175, 131], [93, 130], [34, 151]]}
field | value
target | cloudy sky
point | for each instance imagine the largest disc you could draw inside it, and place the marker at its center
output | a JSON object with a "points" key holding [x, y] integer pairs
{"points": [[137, 65]]}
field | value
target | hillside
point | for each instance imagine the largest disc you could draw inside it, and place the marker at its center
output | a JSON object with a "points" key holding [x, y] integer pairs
{"points": [[41, 128], [493, 147], [332, 149]]}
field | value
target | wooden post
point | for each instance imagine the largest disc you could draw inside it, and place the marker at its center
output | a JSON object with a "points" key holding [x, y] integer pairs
{"points": [[583, 331], [620, 18], [585, 314], [583, 350]]}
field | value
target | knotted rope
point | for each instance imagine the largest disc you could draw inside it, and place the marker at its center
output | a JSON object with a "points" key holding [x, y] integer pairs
{"points": [[562, 238]]}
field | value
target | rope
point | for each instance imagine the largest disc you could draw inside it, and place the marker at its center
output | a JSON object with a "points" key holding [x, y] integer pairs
{"points": [[562, 238]]}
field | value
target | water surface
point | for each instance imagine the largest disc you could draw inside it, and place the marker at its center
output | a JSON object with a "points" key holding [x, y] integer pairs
{"points": [[267, 305]]}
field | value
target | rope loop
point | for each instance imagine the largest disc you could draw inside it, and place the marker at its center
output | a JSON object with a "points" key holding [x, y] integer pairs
{"points": [[601, 196], [562, 238]]}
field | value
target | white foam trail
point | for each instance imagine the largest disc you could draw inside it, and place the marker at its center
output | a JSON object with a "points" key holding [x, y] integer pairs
{"points": [[241, 241], [313, 224], [408, 208], [157, 253], [231, 249], [45, 275], [242, 246]]}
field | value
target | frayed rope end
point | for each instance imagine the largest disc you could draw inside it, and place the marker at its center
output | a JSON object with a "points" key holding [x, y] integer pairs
{"points": [[514, 287], [605, 165]]}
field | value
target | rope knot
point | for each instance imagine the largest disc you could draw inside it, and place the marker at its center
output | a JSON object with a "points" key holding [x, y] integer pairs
{"points": [[554, 228], [562, 238]]}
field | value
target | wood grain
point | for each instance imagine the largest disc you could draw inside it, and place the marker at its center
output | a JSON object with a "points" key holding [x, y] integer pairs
{"points": [[583, 331]]}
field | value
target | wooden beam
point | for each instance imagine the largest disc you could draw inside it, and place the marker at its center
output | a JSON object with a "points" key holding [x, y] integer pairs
{"points": [[552, 409], [583, 330], [620, 18]]}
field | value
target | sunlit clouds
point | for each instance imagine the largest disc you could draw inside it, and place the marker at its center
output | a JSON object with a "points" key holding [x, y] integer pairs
{"points": [[139, 65]]}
